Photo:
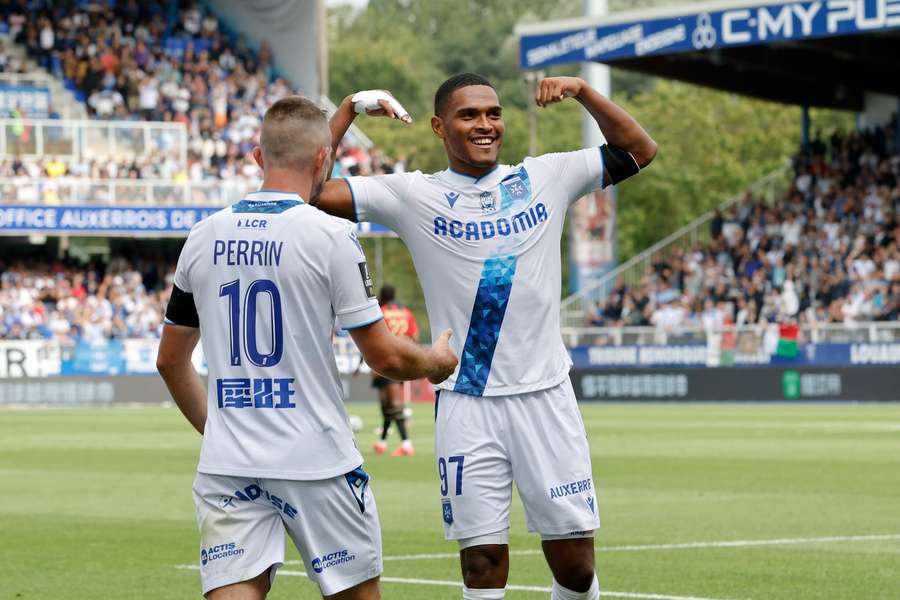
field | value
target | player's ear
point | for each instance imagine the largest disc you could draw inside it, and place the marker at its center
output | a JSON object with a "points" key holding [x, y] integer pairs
{"points": [[437, 126], [322, 157], [258, 157]]}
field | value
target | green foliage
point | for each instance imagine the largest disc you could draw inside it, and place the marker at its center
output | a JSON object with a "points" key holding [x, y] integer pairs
{"points": [[711, 146]]}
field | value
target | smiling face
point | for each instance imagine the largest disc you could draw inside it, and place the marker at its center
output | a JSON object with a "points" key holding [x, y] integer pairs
{"points": [[471, 126]]}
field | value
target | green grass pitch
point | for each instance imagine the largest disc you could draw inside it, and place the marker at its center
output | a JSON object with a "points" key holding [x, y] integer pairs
{"points": [[96, 504]]}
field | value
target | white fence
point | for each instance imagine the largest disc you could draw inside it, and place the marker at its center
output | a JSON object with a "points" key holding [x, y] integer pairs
{"points": [[92, 139], [121, 192]]}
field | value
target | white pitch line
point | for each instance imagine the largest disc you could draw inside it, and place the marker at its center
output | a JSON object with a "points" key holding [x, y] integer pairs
{"points": [[514, 588], [683, 546]]}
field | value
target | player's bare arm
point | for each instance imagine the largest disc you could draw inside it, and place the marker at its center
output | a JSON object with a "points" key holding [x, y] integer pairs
{"points": [[619, 128], [399, 358], [174, 365], [335, 197]]}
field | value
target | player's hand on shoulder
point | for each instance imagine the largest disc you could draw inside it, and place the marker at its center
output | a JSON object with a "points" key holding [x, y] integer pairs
{"points": [[551, 90], [445, 360], [379, 103]]}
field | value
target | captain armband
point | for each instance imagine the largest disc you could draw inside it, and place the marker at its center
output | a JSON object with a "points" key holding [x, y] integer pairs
{"points": [[618, 163], [181, 309]]}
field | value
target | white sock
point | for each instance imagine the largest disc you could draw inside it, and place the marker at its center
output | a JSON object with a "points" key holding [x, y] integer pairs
{"points": [[558, 592], [478, 594]]}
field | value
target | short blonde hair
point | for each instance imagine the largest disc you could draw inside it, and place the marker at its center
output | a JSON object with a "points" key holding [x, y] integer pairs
{"points": [[293, 131]]}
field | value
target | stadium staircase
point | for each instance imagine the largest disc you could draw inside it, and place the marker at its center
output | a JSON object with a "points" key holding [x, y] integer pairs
{"points": [[578, 305]]}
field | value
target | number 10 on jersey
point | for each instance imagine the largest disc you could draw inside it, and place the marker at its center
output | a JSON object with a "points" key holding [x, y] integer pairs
{"points": [[232, 291]]}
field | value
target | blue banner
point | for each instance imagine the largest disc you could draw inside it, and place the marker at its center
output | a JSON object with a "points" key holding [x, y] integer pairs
{"points": [[101, 358], [98, 220], [116, 220], [698, 355], [31, 101], [704, 30]]}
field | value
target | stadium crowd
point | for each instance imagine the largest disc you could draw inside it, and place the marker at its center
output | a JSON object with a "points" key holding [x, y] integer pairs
{"points": [[121, 299], [136, 61], [828, 251]]}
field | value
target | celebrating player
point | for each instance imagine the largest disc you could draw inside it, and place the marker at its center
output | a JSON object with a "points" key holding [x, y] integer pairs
{"points": [[263, 281], [485, 240]]}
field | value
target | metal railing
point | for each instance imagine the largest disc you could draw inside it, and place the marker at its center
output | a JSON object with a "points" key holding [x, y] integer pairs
{"points": [[92, 139], [750, 339], [575, 307], [120, 192]]}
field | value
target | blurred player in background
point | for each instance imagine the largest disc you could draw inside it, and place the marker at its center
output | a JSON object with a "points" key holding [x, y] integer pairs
{"points": [[485, 240], [278, 453], [400, 321]]}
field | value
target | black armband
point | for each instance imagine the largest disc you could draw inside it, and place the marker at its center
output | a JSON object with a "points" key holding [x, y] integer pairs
{"points": [[618, 163], [181, 309]]}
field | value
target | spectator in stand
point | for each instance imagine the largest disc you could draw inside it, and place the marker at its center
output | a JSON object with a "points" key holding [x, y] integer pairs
{"points": [[94, 303], [130, 63], [828, 251]]}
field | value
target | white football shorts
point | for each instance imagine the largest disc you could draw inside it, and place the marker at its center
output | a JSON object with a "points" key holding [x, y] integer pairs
{"points": [[333, 523], [537, 440]]}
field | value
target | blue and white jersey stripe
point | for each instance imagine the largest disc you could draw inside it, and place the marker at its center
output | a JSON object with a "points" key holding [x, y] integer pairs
{"points": [[487, 252]]}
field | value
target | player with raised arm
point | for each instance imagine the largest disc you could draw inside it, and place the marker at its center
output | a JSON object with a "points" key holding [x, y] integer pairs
{"points": [[262, 281], [485, 241]]}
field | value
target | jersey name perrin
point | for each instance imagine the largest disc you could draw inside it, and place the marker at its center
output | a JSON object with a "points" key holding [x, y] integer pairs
{"points": [[269, 275]]}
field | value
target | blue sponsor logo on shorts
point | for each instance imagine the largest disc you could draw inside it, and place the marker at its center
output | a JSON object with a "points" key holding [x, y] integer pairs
{"points": [[590, 503], [229, 550], [569, 489], [253, 492], [333, 559], [448, 511]]}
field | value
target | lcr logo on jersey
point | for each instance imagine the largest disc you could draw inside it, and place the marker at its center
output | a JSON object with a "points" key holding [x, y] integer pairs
{"points": [[229, 550], [252, 223], [488, 203], [326, 561]]}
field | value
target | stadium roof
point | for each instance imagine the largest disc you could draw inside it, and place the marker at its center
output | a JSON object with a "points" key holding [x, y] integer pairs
{"points": [[817, 52]]}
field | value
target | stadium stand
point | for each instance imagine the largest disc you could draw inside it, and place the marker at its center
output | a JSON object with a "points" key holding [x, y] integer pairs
{"points": [[826, 252], [132, 61], [68, 303]]}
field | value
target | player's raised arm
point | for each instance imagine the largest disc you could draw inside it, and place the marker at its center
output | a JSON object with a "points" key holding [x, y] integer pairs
{"points": [[336, 198], [629, 148], [401, 359]]}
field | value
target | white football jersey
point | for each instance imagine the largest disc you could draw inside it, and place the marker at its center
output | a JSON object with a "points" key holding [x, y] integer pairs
{"points": [[269, 274], [487, 252]]}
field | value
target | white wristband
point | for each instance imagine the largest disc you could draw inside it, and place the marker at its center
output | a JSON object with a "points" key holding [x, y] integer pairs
{"points": [[368, 100]]}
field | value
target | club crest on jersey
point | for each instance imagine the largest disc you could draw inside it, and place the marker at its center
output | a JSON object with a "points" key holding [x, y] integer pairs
{"points": [[448, 511], [451, 197], [515, 187], [488, 203]]}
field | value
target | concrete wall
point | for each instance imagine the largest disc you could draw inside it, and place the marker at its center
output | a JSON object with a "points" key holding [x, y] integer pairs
{"points": [[294, 28]]}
